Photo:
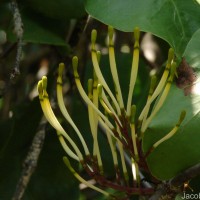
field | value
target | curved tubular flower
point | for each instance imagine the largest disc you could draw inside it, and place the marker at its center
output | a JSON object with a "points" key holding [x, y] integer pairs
{"points": [[172, 132], [162, 98], [151, 90], [114, 68], [108, 108], [93, 120], [98, 71], [83, 94], [161, 84], [134, 70], [108, 104], [67, 163], [48, 112], [64, 110], [124, 131]]}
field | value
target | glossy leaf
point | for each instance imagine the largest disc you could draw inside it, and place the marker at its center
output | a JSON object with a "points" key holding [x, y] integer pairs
{"points": [[174, 21]]}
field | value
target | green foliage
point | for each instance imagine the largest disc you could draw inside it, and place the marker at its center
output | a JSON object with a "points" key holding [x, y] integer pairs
{"points": [[15, 140], [46, 22], [39, 29], [57, 9], [171, 20]]}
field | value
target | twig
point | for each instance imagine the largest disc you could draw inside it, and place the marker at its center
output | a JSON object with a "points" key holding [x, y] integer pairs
{"points": [[160, 192], [175, 185], [18, 29], [30, 162], [186, 175]]}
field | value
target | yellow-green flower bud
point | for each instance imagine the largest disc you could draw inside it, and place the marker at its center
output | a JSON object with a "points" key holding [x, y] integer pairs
{"points": [[170, 55], [44, 82], [40, 87], [182, 117], [110, 32], [133, 112], [94, 36], [153, 84], [99, 89], [61, 69], [137, 34]]}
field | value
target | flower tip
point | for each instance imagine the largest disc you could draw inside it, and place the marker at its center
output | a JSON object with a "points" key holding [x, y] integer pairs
{"points": [[173, 68], [110, 32], [75, 63], [44, 82], [94, 36], [90, 85], [137, 33], [40, 87], [61, 69], [66, 161], [170, 55], [99, 89], [153, 84], [98, 55], [133, 112], [182, 116]]}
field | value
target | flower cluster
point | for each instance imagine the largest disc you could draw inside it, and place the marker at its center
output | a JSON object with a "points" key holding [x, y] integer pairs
{"points": [[122, 129]]}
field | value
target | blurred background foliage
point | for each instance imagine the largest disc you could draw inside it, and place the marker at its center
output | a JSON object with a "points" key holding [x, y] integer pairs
{"points": [[54, 31]]}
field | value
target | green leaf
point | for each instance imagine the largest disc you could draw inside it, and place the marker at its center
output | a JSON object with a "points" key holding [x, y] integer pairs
{"points": [[182, 150], [16, 135], [172, 20], [38, 29], [51, 179], [46, 22], [57, 9], [192, 51]]}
